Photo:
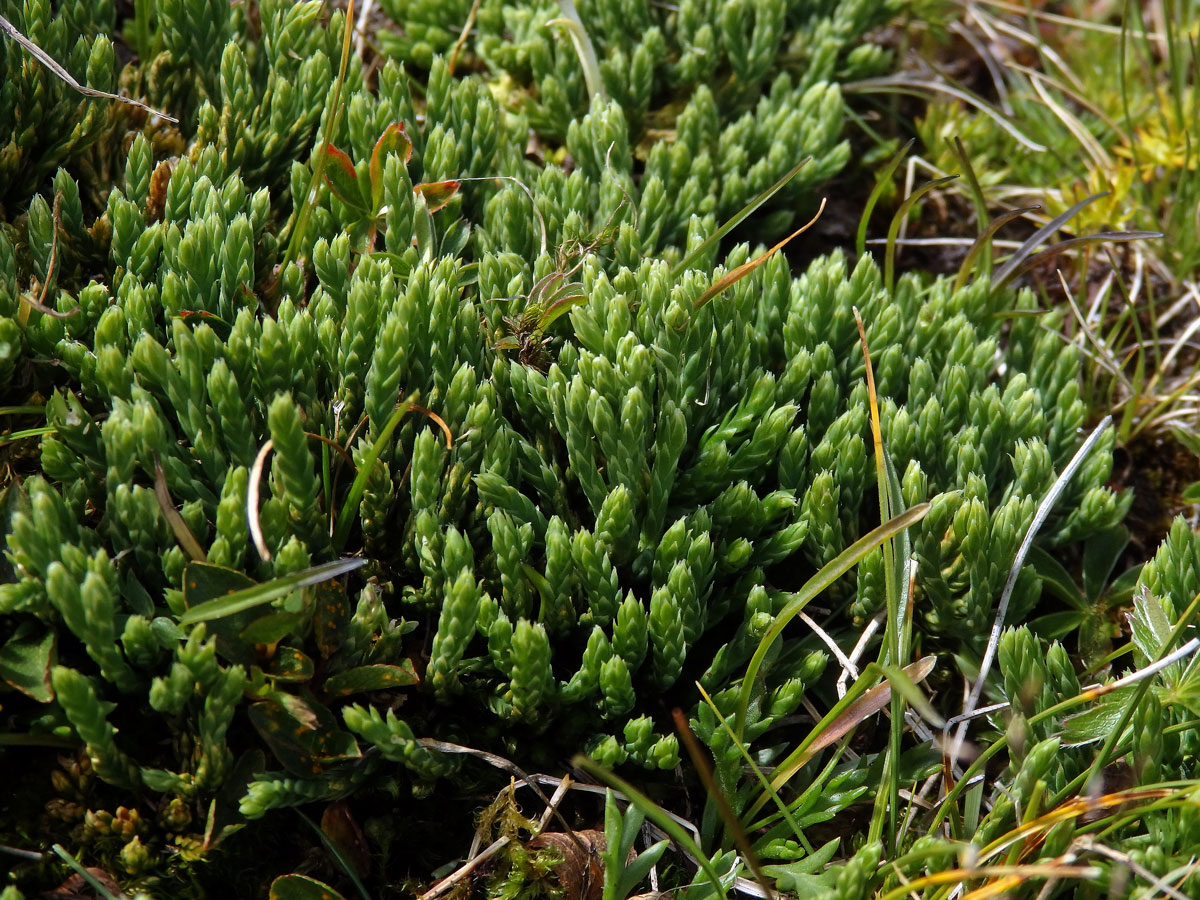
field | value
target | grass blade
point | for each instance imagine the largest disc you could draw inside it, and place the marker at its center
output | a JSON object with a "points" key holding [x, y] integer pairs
{"points": [[63, 75], [828, 573], [746, 268], [889, 259], [333, 114], [984, 241], [881, 183], [86, 874], [758, 773], [345, 519], [859, 704], [1100, 237], [740, 216], [1040, 235], [655, 814], [249, 598]]}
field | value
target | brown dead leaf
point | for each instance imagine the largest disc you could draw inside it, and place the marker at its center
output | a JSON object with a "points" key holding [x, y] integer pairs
{"points": [[581, 872]]}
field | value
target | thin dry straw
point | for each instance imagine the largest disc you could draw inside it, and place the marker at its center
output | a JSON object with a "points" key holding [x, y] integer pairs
{"points": [[62, 74], [1039, 519]]}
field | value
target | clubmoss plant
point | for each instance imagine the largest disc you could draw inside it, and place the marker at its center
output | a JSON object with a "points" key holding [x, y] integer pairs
{"points": [[328, 499]]}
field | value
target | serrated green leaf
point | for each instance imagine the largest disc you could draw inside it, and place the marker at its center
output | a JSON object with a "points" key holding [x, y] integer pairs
{"points": [[1151, 628]]}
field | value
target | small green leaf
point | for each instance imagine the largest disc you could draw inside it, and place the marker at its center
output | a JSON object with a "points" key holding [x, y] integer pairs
{"points": [[272, 628], [25, 661], [1100, 556], [807, 877], [1055, 577], [564, 299], [301, 887], [343, 179], [302, 733], [1095, 724], [236, 601], [291, 664], [331, 612], [371, 678], [1057, 625], [393, 140]]}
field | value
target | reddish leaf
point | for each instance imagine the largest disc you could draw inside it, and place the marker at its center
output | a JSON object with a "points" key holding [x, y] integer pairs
{"points": [[393, 140], [343, 179], [371, 678], [344, 833], [436, 193]]}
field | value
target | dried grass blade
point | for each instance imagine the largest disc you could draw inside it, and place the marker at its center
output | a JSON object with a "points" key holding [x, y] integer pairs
{"points": [[179, 528], [746, 268], [63, 75], [740, 216], [264, 553]]}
